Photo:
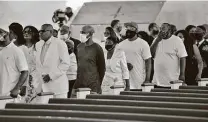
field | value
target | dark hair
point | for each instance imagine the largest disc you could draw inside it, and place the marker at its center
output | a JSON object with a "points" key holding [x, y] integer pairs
{"points": [[18, 30], [35, 34], [55, 30], [144, 35], [151, 25], [189, 27], [202, 27], [112, 39], [173, 28], [112, 33], [188, 42], [114, 22]]}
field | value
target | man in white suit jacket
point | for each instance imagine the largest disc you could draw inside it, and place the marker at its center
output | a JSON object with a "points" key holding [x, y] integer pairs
{"points": [[52, 61]]}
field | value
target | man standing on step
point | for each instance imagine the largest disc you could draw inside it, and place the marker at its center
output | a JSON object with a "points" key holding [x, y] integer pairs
{"points": [[91, 62], [52, 61]]}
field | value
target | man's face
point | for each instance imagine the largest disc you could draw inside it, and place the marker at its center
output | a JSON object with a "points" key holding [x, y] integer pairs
{"points": [[64, 31], [119, 27], [55, 34], [85, 31], [45, 33], [199, 34], [154, 30], [166, 30]]}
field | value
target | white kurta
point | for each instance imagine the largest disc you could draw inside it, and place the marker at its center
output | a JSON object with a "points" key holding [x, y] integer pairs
{"points": [[116, 72], [56, 63], [72, 72], [12, 62]]}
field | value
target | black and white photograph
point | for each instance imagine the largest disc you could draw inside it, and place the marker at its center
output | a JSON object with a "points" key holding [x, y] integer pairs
{"points": [[103, 61]]}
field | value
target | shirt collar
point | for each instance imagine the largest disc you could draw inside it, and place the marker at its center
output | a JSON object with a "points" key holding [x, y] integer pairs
{"points": [[49, 40], [10, 45]]}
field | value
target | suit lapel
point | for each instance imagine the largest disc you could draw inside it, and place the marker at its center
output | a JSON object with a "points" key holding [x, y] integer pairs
{"points": [[50, 47], [39, 49]]}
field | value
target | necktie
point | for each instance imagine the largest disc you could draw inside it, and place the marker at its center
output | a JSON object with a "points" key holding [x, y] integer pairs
{"points": [[43, 52]]}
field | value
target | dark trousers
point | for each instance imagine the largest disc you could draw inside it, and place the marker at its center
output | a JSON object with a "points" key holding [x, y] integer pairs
{"points": [[205, 73], [71, 84]]}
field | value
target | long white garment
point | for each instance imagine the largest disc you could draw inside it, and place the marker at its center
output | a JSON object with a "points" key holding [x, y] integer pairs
{"points": [[116, 72], [136, 52], [12, 62], [36, 76], [167, 60], [72, 71], [56, 63]]}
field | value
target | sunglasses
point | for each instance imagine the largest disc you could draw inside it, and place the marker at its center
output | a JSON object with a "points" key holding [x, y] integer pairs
{"points": [[43, 31], [28, 32]]}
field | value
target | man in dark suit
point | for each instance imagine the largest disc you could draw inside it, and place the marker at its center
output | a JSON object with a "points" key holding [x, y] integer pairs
{"points": [[203, 48]]}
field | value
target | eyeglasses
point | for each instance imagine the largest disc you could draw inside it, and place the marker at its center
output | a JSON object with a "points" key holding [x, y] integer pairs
{"points": [[43, 31]]}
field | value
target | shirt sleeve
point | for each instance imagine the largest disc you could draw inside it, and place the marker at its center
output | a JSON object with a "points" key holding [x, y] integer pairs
{"points": [[21, 61], [101, 62], [180, 48], [125, 71], [146, 54]]}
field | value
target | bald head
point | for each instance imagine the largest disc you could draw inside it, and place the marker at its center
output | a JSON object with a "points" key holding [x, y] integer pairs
{"points": [[88, 29], [64, 30], [46, 31], [47, 26]]}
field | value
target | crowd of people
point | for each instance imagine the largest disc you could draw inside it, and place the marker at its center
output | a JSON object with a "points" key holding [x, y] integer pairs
{"points": [[47, 60]]}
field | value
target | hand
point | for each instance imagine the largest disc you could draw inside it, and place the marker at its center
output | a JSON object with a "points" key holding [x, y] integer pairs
{"points": [[182, 78], [14, 92], [127, 88], [198, 77], [130, 66], [46, 78]]}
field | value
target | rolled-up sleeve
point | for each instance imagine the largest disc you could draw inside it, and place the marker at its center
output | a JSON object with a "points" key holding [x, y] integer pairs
{"points": [[21, 60], [181, 50], [125, 71]]}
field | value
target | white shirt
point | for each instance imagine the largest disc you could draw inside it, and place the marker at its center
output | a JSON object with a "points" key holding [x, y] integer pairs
{"points": [[167, 60], [12, 62], [136, 52], [116, 67], [72, 72]]}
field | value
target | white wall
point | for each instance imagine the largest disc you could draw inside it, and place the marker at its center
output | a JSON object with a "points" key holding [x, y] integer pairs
{"points": [[33, 13]]}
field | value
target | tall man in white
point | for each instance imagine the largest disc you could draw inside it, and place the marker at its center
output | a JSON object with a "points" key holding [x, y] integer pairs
{"points": [[169, 57], [52, 62], [138, 56], [13, 66]]}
